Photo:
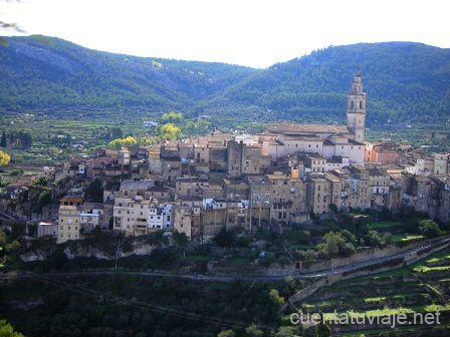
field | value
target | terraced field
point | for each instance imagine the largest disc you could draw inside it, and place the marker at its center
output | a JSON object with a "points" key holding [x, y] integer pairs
{"points": [[423, 287]]}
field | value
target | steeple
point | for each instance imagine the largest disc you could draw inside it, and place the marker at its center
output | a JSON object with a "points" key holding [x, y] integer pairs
{"points": [[356, 109]]}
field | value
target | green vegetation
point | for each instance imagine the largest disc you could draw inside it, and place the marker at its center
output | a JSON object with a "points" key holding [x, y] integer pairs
{"points": [[406, 237], [4, 158], [415, 288], [300, 88], [406, 82], [169, 131], [172, 117], [429, 228], [117, 144], [9, 247], [94, 191], [62, 74], [136, 306], [333, 244], [6, 330]]}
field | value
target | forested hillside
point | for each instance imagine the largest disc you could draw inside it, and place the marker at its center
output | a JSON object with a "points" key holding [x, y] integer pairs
{"points": [[42, 72], [405, 81]]}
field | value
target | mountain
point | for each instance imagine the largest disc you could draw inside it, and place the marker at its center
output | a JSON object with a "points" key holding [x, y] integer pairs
{"points": [[41, 72], [404, 81]]}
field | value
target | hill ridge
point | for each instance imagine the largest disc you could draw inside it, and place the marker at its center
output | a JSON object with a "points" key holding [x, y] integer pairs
{"points": [[404, 80]]}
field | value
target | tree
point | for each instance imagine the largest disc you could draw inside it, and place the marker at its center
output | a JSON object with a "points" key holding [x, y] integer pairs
{"points": [[115, 133], [2, 248], [286, 331], [3, 142], [6, 330], [94, 192], [117, 144], [374, 239], [7, 246], [172, 117], [169, 131], [322, 330], [12, 138], [429, 228], [254, 331], [334, 244], [226, 333], [4, 158], [45, 197], [275, 297], [41, 181], [180, 238], [225, 238], [24, 139]]}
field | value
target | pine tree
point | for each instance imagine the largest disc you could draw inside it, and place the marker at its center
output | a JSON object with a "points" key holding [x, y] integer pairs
{"points": [[3, 142], [11, 138]]}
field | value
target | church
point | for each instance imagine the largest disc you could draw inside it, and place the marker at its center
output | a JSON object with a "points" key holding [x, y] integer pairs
{"points": [[327, 141]]}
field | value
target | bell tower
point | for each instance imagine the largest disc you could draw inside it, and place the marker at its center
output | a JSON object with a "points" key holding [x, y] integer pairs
{"points": [[356, 109]]}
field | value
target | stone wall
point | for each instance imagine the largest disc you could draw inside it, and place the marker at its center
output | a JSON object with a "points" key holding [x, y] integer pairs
{"points": [[362, 255], [363, 271]]}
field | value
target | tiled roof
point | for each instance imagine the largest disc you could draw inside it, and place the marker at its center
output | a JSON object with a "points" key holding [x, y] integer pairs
{"points": [[308, 128]]}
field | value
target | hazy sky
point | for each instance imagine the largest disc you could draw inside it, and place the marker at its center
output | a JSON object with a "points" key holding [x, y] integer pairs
{"points": [[254, 33]]}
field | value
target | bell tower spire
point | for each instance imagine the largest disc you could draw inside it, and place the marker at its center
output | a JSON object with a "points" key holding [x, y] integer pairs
{"points": [[356, 109]]}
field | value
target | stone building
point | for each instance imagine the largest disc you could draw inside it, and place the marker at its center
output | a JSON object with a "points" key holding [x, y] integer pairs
{"points": [[379, 184], [326, 141], [182, 220], [131, 215], [69, 218]]}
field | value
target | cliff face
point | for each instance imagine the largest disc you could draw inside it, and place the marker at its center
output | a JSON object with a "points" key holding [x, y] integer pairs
{"points": [[91, 250]]}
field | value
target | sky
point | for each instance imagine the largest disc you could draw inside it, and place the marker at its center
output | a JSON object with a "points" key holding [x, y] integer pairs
{"points": [[253, 33]]}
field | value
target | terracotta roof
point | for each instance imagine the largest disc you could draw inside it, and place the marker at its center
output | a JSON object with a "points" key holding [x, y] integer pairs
{"points": [[308, 128], [72, 198]]}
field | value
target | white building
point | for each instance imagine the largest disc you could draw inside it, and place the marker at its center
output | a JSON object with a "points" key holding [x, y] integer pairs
{"points": [[90, 219], [160, 217], [47, 229]]}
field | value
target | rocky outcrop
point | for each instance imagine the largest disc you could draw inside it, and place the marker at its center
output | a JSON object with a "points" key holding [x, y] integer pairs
{"points": [[88, 251]]}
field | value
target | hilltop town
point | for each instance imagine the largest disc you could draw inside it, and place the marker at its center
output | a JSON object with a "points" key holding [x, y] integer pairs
{"points": [[288, 175]]}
